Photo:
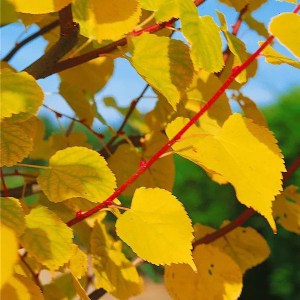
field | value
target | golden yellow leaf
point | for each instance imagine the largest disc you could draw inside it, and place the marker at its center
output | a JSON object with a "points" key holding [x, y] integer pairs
{"points": [[21, 288], [286, 209], [274, 57], [79, 289], [93, 76], [109, 20], [21, 96], [171, 69], [218, 277], [77, 172], [239, 5], [16, 140], [39, 7], [244, 153], [161, 174], [9, 254], [157, 228], [113, 271], [287, 38], [243, 244], [78, 263], [47, 238], [12, 215]]}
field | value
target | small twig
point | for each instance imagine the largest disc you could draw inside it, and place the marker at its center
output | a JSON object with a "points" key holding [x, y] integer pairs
{"points": [[40, 32], [292, 169], [34, 276]]}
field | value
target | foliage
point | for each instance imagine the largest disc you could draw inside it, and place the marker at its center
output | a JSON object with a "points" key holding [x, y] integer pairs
{"points": [[75, 222]]}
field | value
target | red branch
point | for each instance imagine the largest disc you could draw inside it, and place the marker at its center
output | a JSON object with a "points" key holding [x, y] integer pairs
{"points": [[147, 164], [5, 189], [292, 169]]}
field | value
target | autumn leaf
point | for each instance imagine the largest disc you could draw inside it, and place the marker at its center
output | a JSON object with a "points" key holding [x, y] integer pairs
{"points": [[39, 7]]}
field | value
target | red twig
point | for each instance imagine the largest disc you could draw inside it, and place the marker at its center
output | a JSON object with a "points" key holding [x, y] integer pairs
{"points": [[5, 189], [292, 169], [235, 72]]}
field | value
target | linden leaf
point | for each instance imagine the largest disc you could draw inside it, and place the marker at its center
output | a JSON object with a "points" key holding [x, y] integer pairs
{"points": [[12, 214], [157, 228], [161, 174], [9, 254], [287, 38], [113, 271], [171, 69], [244, 245], [21, 288], [244, 153], [109, 20], [47, 238], [39, 7], [78, 263], [77, 172], [218, 276], [89, 80], [274, 57], [21, 96], [16, 141], [286, 209]]}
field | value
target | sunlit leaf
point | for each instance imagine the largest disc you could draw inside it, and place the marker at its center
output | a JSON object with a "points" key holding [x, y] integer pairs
{"points": [[77, 172], [109, 20], [217, 277], [39, 7], [79, 288], [278, 27], [171, 69], [286, 209], [78, 263], [113, 271], [244, 153], [21, 96], [47, 238], [157, 228]]}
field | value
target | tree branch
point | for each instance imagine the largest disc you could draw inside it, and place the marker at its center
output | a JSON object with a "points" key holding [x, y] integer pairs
{"points": [[69, 31], [40, 32]]}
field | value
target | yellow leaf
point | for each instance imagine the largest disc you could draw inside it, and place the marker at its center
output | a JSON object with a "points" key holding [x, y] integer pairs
{"points": [[21, 288], [21, 96], [243, 244], [78, 263], [8, 13], [274, 57], [287, 38], [16, 140], [244, 153], [218, 277], [239, 5], [113, 271], [39, 7], [77, 172], [253, 24], [286, 209], [12, 214], [157, 228], [93, 76], [9, 254], [109, 20], [79, 289], [161, 174], [47, 238], [171, 69]]}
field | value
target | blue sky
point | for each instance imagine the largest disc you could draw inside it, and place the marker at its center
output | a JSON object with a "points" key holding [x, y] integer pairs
{"points": [[126, 84]]}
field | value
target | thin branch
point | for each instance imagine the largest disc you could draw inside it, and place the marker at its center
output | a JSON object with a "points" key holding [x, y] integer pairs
{"points": [[40, 32], [5, 189], [69, 31], [34, 276], [292, 169]]}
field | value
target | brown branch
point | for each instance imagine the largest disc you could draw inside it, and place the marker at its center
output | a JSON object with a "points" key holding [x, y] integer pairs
{"points": [[69, 31], [5, 189], [29, 39]]}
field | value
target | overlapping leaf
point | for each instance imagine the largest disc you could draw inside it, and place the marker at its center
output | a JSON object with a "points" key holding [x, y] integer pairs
{"points": [[78, 263], [47, 238], [217, 277], [244, 153], [109, 20], [77, 172], [157, 228], [113, 271], [21, 96], [171, 70]]}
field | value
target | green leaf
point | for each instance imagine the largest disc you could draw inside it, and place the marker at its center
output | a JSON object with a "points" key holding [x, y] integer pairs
{"points": [[21, 96], [12, 214], [77, 172], [157, 228], [171, 70], [47, 238]]}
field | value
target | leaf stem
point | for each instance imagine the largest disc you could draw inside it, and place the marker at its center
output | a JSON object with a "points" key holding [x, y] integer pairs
{"points": [[33, 166]]}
